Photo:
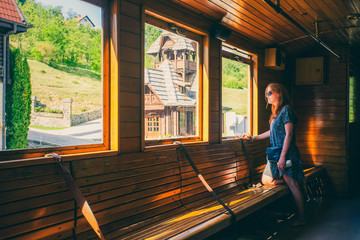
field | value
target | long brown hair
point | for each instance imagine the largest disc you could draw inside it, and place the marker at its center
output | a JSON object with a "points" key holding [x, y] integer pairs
{"points": [[284, 99]]}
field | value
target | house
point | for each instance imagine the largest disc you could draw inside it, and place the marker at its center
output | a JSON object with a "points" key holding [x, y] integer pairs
{"points": [[12, 21], [84, 21], [170, 103]]}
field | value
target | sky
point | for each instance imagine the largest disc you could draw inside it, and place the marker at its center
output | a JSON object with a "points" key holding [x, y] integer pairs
{"points": [[80, 7]]}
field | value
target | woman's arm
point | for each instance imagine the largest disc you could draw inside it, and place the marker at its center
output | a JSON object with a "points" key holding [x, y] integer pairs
{"points": [[258, 137], [289, 129]]}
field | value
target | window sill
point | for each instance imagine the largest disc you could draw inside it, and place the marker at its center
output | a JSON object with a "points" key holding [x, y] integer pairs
{"points": [[173, 145], [48, 160]]}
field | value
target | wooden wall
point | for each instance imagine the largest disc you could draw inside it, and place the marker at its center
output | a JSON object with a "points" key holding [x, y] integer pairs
{"points": [[322, 121]]}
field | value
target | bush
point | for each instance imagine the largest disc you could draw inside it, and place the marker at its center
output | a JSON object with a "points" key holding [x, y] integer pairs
{"points": [[18, 102], [39, 109], [53, 110]]}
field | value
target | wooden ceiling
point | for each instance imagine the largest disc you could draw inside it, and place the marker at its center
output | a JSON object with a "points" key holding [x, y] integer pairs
{"points": [[259, 21]]}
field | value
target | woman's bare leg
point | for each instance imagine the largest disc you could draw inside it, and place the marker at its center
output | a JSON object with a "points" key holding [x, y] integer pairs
{"points": [[297, 194], [266, 180]]}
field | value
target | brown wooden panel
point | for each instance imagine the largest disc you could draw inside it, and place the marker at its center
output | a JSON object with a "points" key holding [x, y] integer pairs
{"points": [[130, 9], [130, 24], [48, 221], [129, 54], [130, 85], [130, 114], [129, 39], [128, 69], [320, 138], [129, 99]]}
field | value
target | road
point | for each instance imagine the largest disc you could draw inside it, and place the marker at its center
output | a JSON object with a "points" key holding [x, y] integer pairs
{"points": [[85, 133]]}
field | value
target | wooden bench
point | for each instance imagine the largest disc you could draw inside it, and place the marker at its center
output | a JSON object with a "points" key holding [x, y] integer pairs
{"points": [[153, 195], [199, 215], [194, 213]]}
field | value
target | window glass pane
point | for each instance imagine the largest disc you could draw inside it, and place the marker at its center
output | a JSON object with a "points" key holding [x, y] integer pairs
{"points": [[235, 95], [171, 84], [63, 50]]}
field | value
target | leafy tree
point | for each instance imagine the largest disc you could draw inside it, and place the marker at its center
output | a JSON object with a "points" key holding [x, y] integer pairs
{"points": [[151, 34], [234, 74], [18, 102], [56, 41]]}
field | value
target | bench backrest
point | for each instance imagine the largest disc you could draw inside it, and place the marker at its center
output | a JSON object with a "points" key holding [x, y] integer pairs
{"points": [[122, 190]]}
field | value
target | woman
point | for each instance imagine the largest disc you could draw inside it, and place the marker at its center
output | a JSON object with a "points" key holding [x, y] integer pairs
{"points": [[282, 137]]}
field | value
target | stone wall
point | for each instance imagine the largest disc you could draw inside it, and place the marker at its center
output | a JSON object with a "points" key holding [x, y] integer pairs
{"points": [[65, 119], [86, 116]]}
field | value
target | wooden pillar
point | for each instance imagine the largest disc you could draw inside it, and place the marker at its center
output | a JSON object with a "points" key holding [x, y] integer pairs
{"points": [[184, 61]]}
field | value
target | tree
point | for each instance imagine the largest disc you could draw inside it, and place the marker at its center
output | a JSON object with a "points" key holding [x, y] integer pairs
{"points": [[56, 41], [235, 74], [18, 102], [151, 34]]}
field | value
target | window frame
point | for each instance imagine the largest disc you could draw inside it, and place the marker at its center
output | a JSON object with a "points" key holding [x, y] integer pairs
{"points": [[253, 93], [88, 148], [164, 23]]}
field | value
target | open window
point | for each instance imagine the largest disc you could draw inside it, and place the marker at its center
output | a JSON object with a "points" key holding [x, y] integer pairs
{"points": [[237, 101], [171, 83], [65, 103]]}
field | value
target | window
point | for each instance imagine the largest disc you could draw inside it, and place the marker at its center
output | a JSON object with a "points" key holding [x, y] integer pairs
{"points": [[171, 81], [236, 91], [64, 103]]}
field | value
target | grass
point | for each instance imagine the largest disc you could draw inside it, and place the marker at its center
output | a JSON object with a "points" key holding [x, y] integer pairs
{"points": [[51, 86], [81, 72], [48, 128], [237, 99]]}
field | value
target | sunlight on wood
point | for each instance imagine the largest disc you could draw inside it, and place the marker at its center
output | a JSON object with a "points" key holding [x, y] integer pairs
{"points": [[206, 210], [156, 236]]}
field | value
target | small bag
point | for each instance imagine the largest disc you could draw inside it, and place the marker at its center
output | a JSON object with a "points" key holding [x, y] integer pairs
{"points": [[273, 156], [273, 153]]}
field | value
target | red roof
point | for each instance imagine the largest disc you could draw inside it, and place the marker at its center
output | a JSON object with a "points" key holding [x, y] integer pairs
{"points": [[10, 11]]}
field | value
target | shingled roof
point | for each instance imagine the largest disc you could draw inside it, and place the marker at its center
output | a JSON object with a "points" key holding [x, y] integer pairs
{"points": [[162, 81], [10, 11], [181, 43]]}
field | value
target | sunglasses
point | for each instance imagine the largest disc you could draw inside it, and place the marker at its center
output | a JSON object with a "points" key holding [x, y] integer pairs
{"points": [[268, 93]]}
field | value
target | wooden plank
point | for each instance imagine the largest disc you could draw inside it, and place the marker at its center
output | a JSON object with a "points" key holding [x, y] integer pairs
{"points": [[48, 221], [32, 203], [130, 24], [48, 232], [129, 54], [128, 69], [33, 214], [130, 39], [130, 9]]}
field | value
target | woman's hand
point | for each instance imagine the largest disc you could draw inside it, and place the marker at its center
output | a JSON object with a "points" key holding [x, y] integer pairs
{"points": [[281, 163], [245, 136]]}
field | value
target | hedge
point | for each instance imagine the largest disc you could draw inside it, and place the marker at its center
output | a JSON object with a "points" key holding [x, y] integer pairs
{"points": [[18, 102]]}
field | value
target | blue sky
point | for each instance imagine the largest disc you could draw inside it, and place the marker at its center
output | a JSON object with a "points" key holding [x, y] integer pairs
{"points": [[80, 7]]}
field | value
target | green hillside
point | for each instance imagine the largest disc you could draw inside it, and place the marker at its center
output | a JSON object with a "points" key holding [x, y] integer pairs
{"points": [[51, 86], [237, 99]]}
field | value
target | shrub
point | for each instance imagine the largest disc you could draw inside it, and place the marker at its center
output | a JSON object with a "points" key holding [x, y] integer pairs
{"points": [[18, 102], [53, 110], [39, 109]]}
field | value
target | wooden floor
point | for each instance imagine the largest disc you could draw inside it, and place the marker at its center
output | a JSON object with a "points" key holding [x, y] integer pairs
{"points": [[335, 219]]}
